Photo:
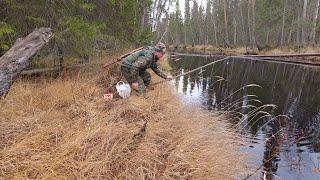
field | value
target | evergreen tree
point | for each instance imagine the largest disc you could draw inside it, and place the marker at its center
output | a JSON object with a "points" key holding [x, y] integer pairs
{"points": [[80, 26], [257, 23]]}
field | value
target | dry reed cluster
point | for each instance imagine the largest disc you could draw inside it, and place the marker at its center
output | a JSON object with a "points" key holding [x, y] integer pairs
{"points": [[62, 128]]}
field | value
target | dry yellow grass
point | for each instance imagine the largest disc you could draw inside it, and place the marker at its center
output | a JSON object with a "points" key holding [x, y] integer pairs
{"points": [[62, 128], [164, 64]]}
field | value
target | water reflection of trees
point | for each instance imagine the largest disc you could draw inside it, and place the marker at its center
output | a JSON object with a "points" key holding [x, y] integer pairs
{"points": [[294, 89]]}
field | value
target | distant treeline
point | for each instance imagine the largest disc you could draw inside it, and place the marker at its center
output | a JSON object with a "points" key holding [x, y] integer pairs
{"points": [[255, 23]]}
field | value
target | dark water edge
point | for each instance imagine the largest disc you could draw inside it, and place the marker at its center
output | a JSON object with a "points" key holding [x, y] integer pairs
{"points": [[287, 146]]}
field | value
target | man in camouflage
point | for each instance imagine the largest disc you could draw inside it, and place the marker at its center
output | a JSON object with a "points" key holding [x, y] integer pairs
{"points": [[134, 67]]}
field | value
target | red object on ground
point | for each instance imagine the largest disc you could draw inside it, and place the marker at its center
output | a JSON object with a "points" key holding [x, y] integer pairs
{"points": [[108, 96]]}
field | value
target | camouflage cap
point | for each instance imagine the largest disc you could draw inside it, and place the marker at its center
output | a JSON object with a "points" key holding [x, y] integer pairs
{"points": [[160, 47]]}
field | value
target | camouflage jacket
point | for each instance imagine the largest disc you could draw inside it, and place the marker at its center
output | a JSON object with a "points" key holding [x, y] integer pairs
{"points": [[141, 61]]}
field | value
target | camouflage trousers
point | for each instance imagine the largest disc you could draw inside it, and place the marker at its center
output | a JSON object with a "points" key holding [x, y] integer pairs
{"points": [[143, 79]]}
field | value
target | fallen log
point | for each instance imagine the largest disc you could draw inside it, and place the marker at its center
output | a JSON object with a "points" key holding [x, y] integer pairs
{"points": [[13, 62], [285, 55], [284, 61], [281, 58], [262, 56]]}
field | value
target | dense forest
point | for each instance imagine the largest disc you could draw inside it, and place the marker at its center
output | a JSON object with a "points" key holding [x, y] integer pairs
{"points": [[255, 23], [82, 27]]}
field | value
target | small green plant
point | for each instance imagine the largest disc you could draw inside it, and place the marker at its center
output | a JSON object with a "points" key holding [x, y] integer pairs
{"points": [[6, 31]]}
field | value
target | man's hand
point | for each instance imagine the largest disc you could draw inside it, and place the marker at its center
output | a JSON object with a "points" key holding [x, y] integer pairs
{"points": [[169, 78], [135, 86]]}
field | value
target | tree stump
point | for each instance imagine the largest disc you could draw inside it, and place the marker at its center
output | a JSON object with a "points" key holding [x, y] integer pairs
{"points": [[13, 62]]}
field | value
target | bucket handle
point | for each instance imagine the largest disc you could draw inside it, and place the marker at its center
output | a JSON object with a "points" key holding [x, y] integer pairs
{"points": [[120, 83]]}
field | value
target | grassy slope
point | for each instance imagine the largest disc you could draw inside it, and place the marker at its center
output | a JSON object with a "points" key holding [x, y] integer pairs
{"points": [[62, 128]]}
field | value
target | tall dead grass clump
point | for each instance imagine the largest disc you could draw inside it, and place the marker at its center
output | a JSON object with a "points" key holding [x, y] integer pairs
{"points": [[62, 128]]}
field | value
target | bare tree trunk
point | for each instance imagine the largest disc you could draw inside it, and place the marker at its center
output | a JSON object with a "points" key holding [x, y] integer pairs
{"points": [[253, 3], [185, 35], [226, 21], [290, 32], [215, 33], [283, 21], [235, 31], [249, 25], [243, 25], [13, 62], [267, 38], [154, 15], [214, 7], [298, 35], [144, 18], [159, 8], [314, 23], [304, 19], [61, 59], [207, 35]]}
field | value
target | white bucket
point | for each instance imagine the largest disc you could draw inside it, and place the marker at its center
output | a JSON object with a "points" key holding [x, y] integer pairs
{"points": [[123, 89]]}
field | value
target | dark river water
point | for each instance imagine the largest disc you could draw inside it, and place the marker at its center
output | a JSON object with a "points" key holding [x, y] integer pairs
{"points": [[280, 120]]}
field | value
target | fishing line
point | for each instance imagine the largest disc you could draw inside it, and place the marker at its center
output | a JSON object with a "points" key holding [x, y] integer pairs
{"points": [[193, 70]]}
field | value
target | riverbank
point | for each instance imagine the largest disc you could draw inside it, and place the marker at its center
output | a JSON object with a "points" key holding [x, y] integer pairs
{"points": [[208, 49], [63, 128]]}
